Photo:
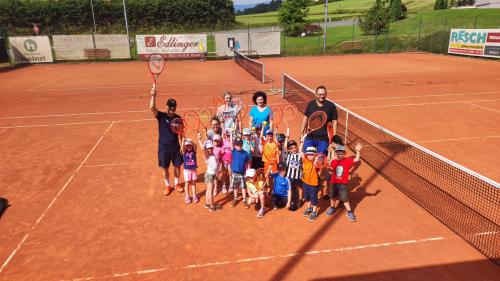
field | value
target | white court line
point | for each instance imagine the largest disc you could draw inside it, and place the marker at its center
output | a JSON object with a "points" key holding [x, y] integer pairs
{"points": [[74, 114], [417, 104], [457, 139], [263, 258], [114, 164], [482, 107], [14, 252], [144, 85], [421, 96], [79, 123]]}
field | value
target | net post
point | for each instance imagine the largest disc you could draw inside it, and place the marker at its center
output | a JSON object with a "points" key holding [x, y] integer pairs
{"points": [[283, 85], [346, 126], [263, 74]]}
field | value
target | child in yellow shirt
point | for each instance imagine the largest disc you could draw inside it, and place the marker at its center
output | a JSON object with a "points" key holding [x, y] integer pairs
{"points": [[256, 190]]}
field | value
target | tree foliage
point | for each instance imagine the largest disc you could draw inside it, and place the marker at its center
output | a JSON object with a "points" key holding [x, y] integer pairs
{"points": [[293, 16], [377, 19], [441, 5], [397, 11], [272, 6], [77, 13]]}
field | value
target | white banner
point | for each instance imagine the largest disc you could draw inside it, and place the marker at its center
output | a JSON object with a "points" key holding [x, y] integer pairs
{"points": [[475, 42], [72, 47], [31, 49], [116, 44], [259, 43], [172, 46]]}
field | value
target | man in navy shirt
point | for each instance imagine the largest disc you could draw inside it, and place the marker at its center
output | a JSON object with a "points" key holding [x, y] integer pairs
{"points": [[169, 149], [319, 138]]}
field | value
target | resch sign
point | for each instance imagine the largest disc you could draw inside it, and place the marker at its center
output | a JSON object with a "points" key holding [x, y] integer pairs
{"points": [[31, 49], [172, 46], [475, 42]]}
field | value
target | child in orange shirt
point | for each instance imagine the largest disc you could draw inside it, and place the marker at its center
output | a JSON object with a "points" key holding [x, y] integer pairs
{"points": [[270, 152], [310, 181]]}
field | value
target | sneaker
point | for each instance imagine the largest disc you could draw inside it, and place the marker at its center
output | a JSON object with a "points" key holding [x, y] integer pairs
{"points": [[330, 211], [167, 190], [313, 216], [235, 201], [179, 188], [307, 212], [216, 208], [275, 207], [207, 206], [245, 204], [224, 189], [351, 216], [261, 213], [188, 200], [195, 199]]}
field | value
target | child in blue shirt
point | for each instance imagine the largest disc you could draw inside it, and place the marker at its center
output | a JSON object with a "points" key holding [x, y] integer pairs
{"points": [[241, 162], [282, 188]]}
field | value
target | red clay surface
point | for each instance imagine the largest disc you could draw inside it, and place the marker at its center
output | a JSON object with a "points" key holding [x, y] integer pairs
{"points": [[79, 169]]}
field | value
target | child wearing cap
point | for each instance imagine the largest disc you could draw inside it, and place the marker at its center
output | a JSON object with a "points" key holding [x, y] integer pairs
{"points": [[210, 174], [270, 152], [256, 194], [226, 158], [248, 143], [282, 139], [239, 165], [282, 188], [190, 166], [257, 144], [294, 174], [339, 168], [310, 182]]}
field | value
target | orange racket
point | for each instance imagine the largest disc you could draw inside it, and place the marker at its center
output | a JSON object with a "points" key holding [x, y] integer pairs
{"points": [[156, 64], [289, 114], [277, 116], [205, 116], [193, 121], [316, 121]]}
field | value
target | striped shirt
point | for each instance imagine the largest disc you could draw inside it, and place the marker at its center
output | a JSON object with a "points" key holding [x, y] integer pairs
{"points": [[293, 166]]}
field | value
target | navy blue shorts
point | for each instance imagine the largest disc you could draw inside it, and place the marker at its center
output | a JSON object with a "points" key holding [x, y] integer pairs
{"points": [[310, 193], [321, 145], [167, 154]]}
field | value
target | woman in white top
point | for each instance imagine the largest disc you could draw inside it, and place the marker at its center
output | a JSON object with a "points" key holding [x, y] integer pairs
{"points": [[228, 114]]}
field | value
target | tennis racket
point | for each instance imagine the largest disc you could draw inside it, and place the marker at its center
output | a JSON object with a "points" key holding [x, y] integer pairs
{"points": [[218, 101], [316, 121], [178, 125], [193, 121], [156, 64], [277, 116], [289, 114], [205, 116], [321, 161]]}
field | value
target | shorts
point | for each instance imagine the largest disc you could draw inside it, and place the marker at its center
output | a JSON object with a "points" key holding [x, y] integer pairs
{"points": [[321, 145], [311, 193], [274, 167], [257, 162], [339, 190], [168, 154], [238, 180], [209, 178], [279, 201], [190, 175]]}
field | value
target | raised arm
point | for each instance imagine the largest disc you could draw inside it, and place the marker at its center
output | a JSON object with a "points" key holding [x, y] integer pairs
{"points": [[152, 102], [304, 126], [334, 126], [358, 148]]}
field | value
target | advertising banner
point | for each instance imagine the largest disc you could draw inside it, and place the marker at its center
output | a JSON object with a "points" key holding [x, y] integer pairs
{"points": [[256, 43], [475, 42], [176, 46], [31, 49]]}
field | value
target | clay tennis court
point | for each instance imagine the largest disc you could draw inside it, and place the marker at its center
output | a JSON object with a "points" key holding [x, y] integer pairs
{"points": [[80, 171]]}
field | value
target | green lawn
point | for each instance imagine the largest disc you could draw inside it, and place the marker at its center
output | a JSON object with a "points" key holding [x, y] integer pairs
{"points": [[403, 35], [336, 10]]}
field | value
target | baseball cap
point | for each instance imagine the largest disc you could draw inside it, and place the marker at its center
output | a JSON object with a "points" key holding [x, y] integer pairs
{"points": [[281, 166], [269, 132], [209, 144], [171, 103], [280, 137], [291, 143], [337, 139], [216, 137], [188, 141], [250, 173], [238, 142], [311, 150], [340, 148], [247, 131]]}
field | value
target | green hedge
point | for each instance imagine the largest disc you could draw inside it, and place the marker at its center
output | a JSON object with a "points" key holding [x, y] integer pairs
{"points": [[77, 15]]}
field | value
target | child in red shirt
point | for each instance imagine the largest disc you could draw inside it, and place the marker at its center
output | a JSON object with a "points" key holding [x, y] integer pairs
{"points": [[339, 171]]}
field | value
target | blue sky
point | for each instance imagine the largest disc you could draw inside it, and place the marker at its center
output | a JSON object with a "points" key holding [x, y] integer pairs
{"points": [[242, 2]]}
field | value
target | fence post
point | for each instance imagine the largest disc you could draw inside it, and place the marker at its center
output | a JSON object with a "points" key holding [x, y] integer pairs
{"points": [[248, 42], [376, 47], [352, 41], [420, 29], [475, 22], [385, 42], [284, 43]]}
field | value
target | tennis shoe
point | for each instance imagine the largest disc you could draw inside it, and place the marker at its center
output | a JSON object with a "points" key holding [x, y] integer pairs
{"points": [[307, 212], [167, 190], [245, 204], [179, 188], [188, 200], [195, 199], [313, 216], [261, 213], [330, 211], [351, 216]]}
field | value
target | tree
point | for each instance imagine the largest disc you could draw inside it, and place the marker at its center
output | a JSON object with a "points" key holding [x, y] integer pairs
{"points": [[376, 20], [396, 10], [293, 16], [441, 5]]}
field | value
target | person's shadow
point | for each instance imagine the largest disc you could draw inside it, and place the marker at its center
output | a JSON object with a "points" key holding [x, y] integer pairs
{"points": [[4, 204]]}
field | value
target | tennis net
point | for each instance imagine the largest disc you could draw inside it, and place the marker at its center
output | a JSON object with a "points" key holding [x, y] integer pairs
{"points": [[255, 68], [463, 200]]}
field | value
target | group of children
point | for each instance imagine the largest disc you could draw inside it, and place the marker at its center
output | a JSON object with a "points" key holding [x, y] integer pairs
{"points": [[267, 167]]}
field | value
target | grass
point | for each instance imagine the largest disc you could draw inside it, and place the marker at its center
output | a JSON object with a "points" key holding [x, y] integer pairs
{"points": [[336, 11], [403, 35]]}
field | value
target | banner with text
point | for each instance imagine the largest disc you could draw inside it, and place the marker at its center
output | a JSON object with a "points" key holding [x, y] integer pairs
{"points": [[255, 43], [31, 49], [172, 46], [475, 42]]}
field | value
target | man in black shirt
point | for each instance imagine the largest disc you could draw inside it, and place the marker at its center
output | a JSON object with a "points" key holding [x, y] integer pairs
{"points": [[319, 138], [168, 141]]}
